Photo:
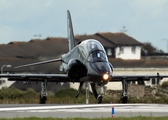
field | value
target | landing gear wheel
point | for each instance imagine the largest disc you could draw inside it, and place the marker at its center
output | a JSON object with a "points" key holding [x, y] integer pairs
{"points": [[99, 99], [43, 99], [124, 99]]}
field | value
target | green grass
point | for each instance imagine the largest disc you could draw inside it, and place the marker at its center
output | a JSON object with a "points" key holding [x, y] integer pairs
{"points": [[116, 118], [164, 84], [67, 96]]}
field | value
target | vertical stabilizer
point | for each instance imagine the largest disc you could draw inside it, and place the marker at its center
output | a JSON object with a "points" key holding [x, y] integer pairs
{"points": [[71, 40]]}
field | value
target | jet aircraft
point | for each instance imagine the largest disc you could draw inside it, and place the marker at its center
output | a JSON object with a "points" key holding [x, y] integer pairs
{"points": [[85, 62]]}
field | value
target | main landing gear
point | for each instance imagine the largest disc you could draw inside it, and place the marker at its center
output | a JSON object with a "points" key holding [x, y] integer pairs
{"points": [[43, 94], [99, 97], [124, 95]]}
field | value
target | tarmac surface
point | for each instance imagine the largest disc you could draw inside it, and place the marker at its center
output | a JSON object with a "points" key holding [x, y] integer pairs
{"points": [[81, 110]]}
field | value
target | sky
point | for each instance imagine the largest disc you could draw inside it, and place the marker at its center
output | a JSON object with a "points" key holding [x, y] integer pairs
{"points": [[144, 20]]}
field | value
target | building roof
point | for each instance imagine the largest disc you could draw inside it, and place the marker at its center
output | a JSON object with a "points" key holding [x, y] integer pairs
{"points": [[109, 39], [119, 39], [50, 47], [104, 42]]}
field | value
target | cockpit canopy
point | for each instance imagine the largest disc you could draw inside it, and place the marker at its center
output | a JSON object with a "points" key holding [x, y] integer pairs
{"points": [[97, 56], [93, 51]]}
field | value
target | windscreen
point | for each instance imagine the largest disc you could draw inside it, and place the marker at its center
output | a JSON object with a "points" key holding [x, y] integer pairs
{"points": [[97, 56]]}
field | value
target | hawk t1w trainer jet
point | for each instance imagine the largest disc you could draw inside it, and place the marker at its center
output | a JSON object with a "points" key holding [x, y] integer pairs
{"points": [[85, 62]]}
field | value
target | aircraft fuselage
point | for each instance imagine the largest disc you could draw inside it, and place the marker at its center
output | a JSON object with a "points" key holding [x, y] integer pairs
{"points": [[87, 59]]}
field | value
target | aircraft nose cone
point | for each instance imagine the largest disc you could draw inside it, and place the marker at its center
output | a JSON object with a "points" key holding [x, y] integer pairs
{"points": [[100, 68]]}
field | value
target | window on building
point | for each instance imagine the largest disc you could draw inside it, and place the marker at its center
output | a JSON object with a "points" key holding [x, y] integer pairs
{"points": [[133, 48], [121, 49], [109, 52]]}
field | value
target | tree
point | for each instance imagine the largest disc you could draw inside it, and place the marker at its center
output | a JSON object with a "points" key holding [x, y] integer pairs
{"points": [[148, 48]]}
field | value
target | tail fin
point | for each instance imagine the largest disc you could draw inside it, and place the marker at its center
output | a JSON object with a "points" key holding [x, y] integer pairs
{"points": [[71, 40]]}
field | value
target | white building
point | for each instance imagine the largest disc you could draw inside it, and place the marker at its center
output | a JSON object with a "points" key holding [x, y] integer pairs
{"points": [[128, 52], [117, 45]]}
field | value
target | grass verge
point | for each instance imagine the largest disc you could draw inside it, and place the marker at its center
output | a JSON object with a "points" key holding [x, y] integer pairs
{"points": [[67, 96]]}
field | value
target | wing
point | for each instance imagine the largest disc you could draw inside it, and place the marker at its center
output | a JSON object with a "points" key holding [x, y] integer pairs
{"points": [[37, 77], [39, 63], [136, 77]]}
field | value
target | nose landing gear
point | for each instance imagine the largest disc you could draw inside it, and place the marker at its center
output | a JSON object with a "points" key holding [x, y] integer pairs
{"points": [[99, 97]]}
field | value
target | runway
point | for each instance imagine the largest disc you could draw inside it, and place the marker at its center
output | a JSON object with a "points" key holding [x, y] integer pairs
{"points": [[81, 110]]}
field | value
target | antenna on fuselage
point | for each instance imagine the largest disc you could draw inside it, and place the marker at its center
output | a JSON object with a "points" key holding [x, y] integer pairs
{"points": [[71, 40]]}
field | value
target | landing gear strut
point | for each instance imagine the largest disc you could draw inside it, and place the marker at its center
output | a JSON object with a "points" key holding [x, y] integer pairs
{"points": [[124, 96], [43, 94], [79, 89], [100, 96]]}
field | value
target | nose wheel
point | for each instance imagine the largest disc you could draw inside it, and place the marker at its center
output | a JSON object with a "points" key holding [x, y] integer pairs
{"points": [[99, 99]]}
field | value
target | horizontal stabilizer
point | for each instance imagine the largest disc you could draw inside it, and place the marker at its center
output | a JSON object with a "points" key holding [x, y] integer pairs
{"points": [[39, 63]]}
